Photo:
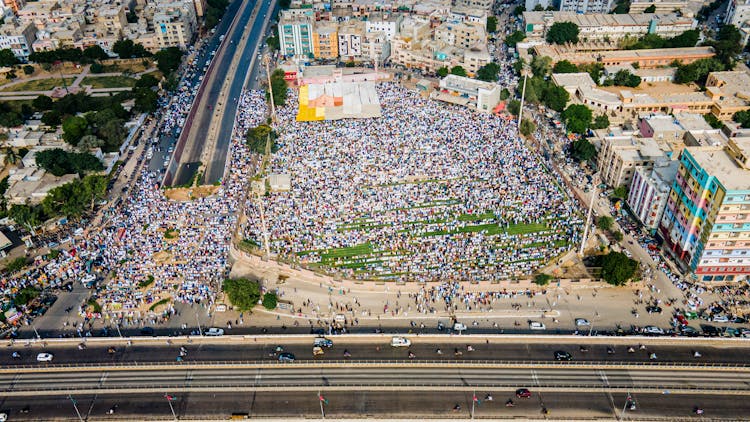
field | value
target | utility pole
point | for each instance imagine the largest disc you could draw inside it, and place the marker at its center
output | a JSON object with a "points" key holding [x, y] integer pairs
{"points": [[75, 406], [320, 401], [169, 400], [525, 73], [267, 62], [200, 331], [595, 182], [625, 407]]}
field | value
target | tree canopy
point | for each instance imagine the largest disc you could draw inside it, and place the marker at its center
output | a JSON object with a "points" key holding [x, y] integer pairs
{"points": [[278, 87], [617, 268], [443, 72], [491, 24], [527, 127], [488, 72], [458, 71], [127, 49], [623, 77], [60, 162], [564, 66], [42, 103], [582, 149], [168, 59], [577, 118], [7, 58], [514, 38], [727, 45], [242, 292], [74, 127], [698, 71], [258, 136], [605, 222], [742, 117], [562, 33], [270, 301]]}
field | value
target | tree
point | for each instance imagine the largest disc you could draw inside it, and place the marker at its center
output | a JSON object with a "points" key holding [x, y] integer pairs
{"points": [[714, 122], [728, 45], [600, 122], [542, 279], [443, 72], [541, 66], [74, 128], [617, 268], [518, 65], [577, 118], [10, 118], [583, 150], [113, 133], [88, 142], [564, 66], [617, 235], [95, 52], [488, 72], [60, 162], [270, 301], [491, 24], [687, 39], [168, 59], [124, 48], [650, 9], [562, 33], [273, 43], [52, 118], [623, 77], [42, 103], [622, 7], [28, 69], [242, 293], [595, 70], [146, 100], [458, 71], [146, 81], [514, 38], [258, 137], [278, 87], [11, 156], [518, 10], [7, 58], [96, 67], [605, 222], [215, 10], [26, 216], [527, 127], [698, 71], [743, 118], [14, 266], [504, 94], [73, 198], [514, 106], [555, 97], [620, 192]]}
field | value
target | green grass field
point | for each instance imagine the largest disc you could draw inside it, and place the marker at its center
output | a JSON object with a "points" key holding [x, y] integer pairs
{"points": [[38, 84], [98, 82]]}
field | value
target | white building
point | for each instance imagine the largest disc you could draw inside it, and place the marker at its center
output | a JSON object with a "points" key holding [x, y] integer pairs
{"points": [[586, 6], [387, 24], [479, 95], [649, 191], [296, 35], [18, 38], [738, 12], [175, 24]]}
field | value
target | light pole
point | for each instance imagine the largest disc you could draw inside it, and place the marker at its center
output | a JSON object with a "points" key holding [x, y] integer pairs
{"points": [[169, 400], [595, 182], [197, 320], [75, 406], [525, 73], [267, 62], [625, 407], [320, 401]]}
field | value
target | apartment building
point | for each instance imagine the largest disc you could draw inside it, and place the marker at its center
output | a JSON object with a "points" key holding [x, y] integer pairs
{"points": [[477, 4], [200, 7], [621, 154], [376, 46], [586, 6], [110, 20], [326, 40], [461, 34], [19, 38], [738, 12], [15, 5], [643, 59], [296, 35], [730, 92], [649, 190], [706, 223], [351, 37], [477, 95], [468, 14], [662, 6], [385, 23], [175, 24], [39, 13], [608, 27]]}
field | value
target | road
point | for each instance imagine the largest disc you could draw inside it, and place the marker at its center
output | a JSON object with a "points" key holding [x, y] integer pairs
{"points": [[250, 23]]}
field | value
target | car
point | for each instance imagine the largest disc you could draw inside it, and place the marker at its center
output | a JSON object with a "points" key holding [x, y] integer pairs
{"points": [[562, 355], [710, 330], [322, 342], [214, 332], [689, 331], [3, 417], [44, 357], [651, 329], [681, 320], [535, 325], [739, 320], [286, 357], [400, 342], [147, 331], [720, 318], [653, 309], [523, 393], [582, 321], [459, 327]]}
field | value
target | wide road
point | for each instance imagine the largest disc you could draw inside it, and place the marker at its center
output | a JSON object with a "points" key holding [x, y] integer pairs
{"points": [[250, 23], [499, 349]]}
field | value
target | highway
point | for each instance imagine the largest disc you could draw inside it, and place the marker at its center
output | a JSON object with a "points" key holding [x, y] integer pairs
{"points": [[210, 108]]}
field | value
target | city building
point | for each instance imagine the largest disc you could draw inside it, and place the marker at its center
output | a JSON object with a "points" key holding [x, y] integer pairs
{"points": [[649, 190], [532, 4], [621, 154], [326, 40], [730, 92], [384, 23], [586, 6], [477, 4], [706, 223], [18, 38], [295, 35], [738, 12], [175, 24], [478, 95], [15, 5], [468, 14], [685, 7], [643, 59], [461, 34], [608, 27], [351, 37]]}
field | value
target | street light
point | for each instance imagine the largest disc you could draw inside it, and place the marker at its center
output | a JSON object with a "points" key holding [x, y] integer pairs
{"points": [[525, 73], [595, 182], [267, 62]]}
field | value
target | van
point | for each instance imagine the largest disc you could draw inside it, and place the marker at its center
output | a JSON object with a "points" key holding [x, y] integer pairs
{"points": [[400, 342], [322, 342]]}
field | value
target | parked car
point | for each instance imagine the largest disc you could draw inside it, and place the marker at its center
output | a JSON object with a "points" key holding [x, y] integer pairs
{"points": [[286, 357], [44, 357], [563, 356], [400, 342], [322, 342], [536, 325], [582, 322], [459, 327], [652, 329], [523, 393], [214, 332]]}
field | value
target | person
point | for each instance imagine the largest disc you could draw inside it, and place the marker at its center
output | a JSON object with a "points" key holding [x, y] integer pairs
{"points": [[696, 354], [439, 352], [698, 410], [653, 356], [469, 348], [16, 355], [457, 407], [509, 403], [583, 349], [347, 354], [610, 351], [411, 355], [631, 349], [488, 397], [457, 352]]}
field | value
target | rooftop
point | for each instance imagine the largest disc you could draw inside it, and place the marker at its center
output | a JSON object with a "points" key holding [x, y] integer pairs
{"points": [[718, 163], [597, 20]]}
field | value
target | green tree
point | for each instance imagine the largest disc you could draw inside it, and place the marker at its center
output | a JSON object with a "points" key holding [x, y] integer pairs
{"points": [[11, 156], [52, 118], [538, 8], [504, 94], [215, 10], [617, 268], [242, 293], [583, 150], [146, 100], [564, 66], [124, 48], [74, 127], [113, 132], [562, 33], [605, 222], [168, 59], [514, 106], [270, 301], [577, 118], [491, 24], [95, 52], [42, 103], [686, 39], [258, 137], [714, 122], [60, 162], [443, 72], [623, 77], [488, 72], [542, 279], [617, 235], [620, 192], [541, 66], [595, 70], [25, 215], [458, 71], [555, 97], [527, 127], [728, 45], [278, 87], [518, 10], [698, 71], [518, 65], [28, 69], [514, 38], [10, 118], [146, 81], [600, 122], [273, 43], [743, 118], [89, 141], [650, 9], [7, 58], [622, 7], [96, 68], [17, 265]]}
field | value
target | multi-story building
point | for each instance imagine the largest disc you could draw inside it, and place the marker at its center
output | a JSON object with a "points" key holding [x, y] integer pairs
{"points": [[608, 27], [586, 6], [110, 20], [175, 24], [39, 13], [478, 4], [18, 38], [200, 7], [661, 6], [478, 95], [620, 155], [468, 14], [461, 34], [351, 37], [730, 92], [738, 12], [15, 5], [706, 223], [376, 46], [326, 40], [296, 35], [649, 190], [384, 23]]}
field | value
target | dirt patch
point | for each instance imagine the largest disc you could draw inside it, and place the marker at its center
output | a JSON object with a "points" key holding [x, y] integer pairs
{"points": [[162, 257], [188, 194]]}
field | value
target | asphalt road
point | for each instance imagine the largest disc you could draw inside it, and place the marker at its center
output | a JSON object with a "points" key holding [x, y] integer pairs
{"points": [[515, 350], [291, 406]]}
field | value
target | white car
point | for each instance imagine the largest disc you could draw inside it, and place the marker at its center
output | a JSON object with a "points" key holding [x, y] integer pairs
{"points": [[536, 325], [400, 342], [650, 329], [459, 327], [3, 417], [720, 318], [44, 357], [582, 321], [214, 332]]}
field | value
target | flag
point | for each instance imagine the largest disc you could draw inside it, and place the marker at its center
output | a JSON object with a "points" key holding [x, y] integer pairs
{"points": [[168, 397], [476, 399], [323, 399]]}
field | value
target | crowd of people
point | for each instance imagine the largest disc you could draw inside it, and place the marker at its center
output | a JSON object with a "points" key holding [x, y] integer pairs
{"points": [[426, 192]]}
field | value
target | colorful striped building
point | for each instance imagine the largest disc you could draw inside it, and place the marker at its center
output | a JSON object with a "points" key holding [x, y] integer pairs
{"points": [[706, 223]]}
